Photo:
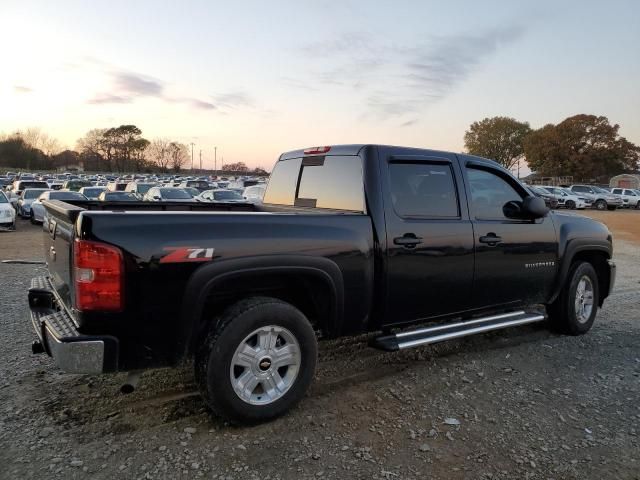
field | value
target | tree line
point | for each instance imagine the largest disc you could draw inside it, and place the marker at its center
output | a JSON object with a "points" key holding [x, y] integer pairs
{"points": [[117, 149], [587, 147]]}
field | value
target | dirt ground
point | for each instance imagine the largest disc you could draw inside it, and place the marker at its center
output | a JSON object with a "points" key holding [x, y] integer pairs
{"points": [[523, 403]]}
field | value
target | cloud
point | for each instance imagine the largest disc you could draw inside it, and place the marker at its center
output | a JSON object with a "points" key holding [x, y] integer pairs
{"points": [[391, 80], [127, 87], [104, 98], [136, 85], [233, 100], [22, 89]]}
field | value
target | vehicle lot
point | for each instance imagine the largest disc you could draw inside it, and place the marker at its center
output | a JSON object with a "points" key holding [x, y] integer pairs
{"points": [[529, 403]]}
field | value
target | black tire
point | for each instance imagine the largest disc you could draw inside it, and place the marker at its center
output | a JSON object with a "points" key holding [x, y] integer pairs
{"points": [[571, 205], [562, 312], [600, 205], [32, 218], [214, 358]]}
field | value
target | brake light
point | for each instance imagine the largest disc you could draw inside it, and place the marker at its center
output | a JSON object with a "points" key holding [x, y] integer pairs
{"points": [[99, 276], [314, 150]]}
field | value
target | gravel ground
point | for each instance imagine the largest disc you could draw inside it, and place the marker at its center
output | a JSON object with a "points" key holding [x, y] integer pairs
{"points": [[518, 404]]}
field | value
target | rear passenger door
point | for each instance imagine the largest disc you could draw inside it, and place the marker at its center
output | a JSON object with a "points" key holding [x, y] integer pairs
{"points": [[429, 238], [515, 260]]}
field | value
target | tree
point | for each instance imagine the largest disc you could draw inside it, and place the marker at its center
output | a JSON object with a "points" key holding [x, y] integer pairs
{"points": [[178, 155], [158, 152], [498, 138], [36, 138], [66, 158], [16, 153], [235, 167], [587, 147], [94, 150]]}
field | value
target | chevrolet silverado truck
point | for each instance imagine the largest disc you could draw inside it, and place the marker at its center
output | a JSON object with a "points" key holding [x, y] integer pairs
{"points": [[411, 246]]}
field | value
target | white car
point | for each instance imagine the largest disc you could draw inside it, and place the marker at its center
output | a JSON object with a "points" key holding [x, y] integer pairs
{"points": [[629, 196], [167, 194], [568, 199], [220, 196], [254, 193], [37, 208], [92, 192], [7, 213]]}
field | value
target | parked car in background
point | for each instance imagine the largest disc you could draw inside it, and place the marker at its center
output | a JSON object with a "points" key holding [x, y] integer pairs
{"points": [[20, 185], [107, 196], [117, 186], [566, 199], [254, 193], [201, 185], [75, 185], [629, 197], [549, 199], [221, 196], [37, 208], [55, 185], [27, 197], [92, 193], [194, 192], [139, 189], [601, 198], [167, 194], [7, 213]]}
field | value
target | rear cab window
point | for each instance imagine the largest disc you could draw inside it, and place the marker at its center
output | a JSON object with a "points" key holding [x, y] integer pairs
{"points": [[331, 182]]}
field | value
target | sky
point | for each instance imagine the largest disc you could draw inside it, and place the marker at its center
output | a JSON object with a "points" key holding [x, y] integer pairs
{"points": [[253, 79]]}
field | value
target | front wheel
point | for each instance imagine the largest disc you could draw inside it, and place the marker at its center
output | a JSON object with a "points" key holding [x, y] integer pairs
{"points": [[257, 361], [574, 311], [600, 205], [571, 205], [32, 218]]}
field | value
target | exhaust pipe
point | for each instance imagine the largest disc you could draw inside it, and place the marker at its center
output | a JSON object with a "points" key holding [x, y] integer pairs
{"points": [[131, 383]]}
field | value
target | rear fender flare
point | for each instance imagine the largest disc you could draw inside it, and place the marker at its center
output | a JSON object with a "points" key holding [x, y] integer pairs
{"points": [[206, 277]]}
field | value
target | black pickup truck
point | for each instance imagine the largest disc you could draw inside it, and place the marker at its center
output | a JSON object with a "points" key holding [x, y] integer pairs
{"points": [[419, 246]]}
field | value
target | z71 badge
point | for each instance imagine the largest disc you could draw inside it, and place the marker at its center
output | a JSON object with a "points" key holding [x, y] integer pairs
{"points": [[187, 254]]}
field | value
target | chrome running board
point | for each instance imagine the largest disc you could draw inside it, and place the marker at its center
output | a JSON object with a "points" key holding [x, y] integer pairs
{"points": [[441, 333]]}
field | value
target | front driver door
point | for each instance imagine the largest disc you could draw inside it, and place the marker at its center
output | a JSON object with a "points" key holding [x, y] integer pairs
{"points": [[515, 260]]}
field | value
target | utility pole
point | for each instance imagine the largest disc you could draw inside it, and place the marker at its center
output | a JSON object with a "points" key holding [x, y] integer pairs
{"points": [[215, 160], [200, 160], [192, 144]]}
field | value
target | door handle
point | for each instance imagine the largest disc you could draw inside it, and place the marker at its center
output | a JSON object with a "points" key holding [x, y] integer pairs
{"points": [[490, 239], [408, 240]]}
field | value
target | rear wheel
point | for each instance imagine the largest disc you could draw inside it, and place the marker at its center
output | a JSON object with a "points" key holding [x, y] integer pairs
{"points": [[600, 205], [571, 205], [257, 361], [574, 311], [32, 218]]}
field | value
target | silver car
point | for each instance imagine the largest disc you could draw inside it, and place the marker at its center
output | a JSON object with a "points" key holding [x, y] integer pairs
{"points": [[37, 208], [27, 197]]}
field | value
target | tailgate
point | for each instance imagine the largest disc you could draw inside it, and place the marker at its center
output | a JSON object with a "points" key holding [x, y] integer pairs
{"points": [[58, 229]]}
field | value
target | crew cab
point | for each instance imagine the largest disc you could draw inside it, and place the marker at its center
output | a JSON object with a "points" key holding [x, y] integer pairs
{"points": [[601, 199], [628, 195], [417, 246]]}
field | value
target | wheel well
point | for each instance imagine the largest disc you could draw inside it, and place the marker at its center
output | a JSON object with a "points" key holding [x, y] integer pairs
{"points": [[311, 295], [599, 262]]}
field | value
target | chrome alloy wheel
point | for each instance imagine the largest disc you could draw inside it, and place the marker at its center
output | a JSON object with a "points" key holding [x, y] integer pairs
{"points": [[265, 365], [584, 299]]}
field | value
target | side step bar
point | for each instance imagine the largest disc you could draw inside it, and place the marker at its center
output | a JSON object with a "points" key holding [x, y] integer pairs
{"points": [[440, 333]]}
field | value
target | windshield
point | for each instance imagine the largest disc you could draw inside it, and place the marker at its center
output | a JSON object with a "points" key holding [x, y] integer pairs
{"points": [[93, 192], [31, 193], [143, 188], [24, 185], [227, 195], [66, 196], [601, 190], [119, 196], [174, 194], [3, 198]]}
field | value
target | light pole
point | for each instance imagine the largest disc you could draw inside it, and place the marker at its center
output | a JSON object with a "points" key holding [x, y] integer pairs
{"points": [[192, 144], [200, 160], [215, 160]]}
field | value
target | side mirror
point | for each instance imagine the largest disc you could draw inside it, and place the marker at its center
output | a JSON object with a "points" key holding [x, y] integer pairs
{"points": [[534, 207]]}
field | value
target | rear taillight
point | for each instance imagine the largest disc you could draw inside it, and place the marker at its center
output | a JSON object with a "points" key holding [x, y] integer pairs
{"points": [[99, 276], [316, 150]]}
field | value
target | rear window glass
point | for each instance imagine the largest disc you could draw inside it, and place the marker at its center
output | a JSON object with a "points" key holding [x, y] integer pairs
{"points": [[337, 184], [281, 189]]}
